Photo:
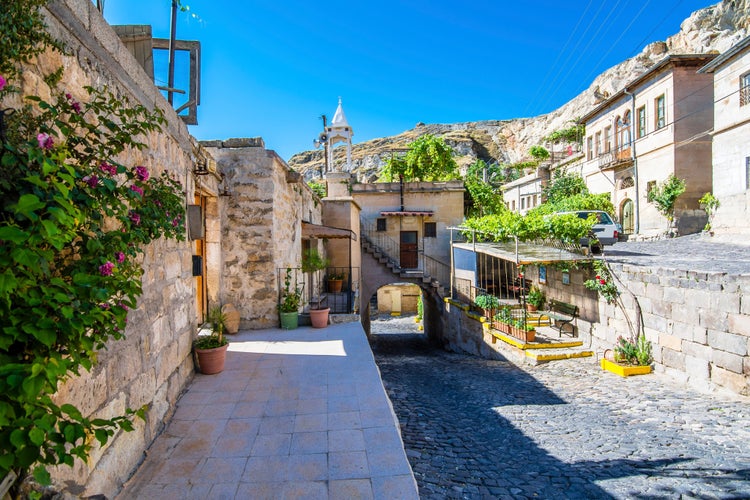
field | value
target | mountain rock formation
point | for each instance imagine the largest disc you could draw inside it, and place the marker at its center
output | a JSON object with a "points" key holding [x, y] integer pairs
{"points": [[712, 29]]}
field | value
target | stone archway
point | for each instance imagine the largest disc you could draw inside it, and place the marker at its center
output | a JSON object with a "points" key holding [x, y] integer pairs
{"points": [[376, 275]]}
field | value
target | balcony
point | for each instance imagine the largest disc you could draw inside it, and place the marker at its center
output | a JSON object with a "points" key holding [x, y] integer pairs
{"points": [[616, 159]]}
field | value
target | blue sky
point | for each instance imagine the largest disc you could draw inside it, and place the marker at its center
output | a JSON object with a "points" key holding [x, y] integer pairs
{"points": [[271, 68]]}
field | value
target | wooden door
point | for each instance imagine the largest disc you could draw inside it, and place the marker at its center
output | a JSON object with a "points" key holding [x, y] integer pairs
{"points": [[409, 250], [627, 218], [201, 295]]}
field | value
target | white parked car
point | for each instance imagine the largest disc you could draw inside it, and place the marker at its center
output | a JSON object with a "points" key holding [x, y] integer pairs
{"points": [[607, 231]]}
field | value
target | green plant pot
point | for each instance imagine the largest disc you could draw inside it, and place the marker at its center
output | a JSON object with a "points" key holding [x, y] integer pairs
{"points": [[289, 320]]}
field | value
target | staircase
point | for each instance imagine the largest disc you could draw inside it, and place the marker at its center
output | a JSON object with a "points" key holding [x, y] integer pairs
{"points": [[418, 276]]}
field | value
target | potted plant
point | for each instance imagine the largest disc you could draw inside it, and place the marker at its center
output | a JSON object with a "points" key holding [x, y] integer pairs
{"points": [[335, 282], [211, 350], [313, 263], [629, 357], [291, 297], [487, 303], [535, 299]]}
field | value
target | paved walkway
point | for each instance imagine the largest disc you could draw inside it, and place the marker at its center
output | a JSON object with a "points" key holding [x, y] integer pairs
{"points": [[695, 252], [295, 414], [477, 428]]}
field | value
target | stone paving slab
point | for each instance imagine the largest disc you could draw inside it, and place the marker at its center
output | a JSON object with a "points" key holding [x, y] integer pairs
{"points": [[477, 428], [295, 414]]}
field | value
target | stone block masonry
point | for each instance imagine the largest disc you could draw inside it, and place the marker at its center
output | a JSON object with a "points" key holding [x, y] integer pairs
{"points": [[695, 322], [260, 227], [152, 365]]}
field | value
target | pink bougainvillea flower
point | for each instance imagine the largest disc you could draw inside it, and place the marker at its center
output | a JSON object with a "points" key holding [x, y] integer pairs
{"points": [[602, 282], [598, 277], [73, 103], [3, 81], [123, 306], [107, 168], [120, 257], [135, 217], [141, 173], [106, 269], [137, 189], [44, 140], [92, 181], [157, 203], [176, 222]]}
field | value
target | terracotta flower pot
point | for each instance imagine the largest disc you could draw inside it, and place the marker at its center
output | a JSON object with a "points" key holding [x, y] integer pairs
{"points": [[211, 361], [334, 286], [232, 318], [319, 317]]}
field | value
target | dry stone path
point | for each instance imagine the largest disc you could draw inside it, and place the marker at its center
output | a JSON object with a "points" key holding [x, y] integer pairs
{"points": [[476, 428]]}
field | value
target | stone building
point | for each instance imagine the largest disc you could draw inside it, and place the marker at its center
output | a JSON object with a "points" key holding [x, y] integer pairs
{"points": [[258, 229], [731, 150], [657, 125]]}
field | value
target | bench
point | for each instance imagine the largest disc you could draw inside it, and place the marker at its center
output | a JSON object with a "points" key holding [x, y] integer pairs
{"points": [[563, 315]]}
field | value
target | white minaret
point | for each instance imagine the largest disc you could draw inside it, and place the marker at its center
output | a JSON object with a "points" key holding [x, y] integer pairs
{"points": [[339, 131]]}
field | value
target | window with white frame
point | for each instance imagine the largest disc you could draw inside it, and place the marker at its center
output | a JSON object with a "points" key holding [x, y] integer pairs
{"points": [[641, 122], [607, 139], [747, 172], [745, 89], [589, 148], [598, 145], [660, 112]]}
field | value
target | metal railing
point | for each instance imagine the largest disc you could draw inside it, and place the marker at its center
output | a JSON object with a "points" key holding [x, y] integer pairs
{"points": [[437, 270], [505, 316], [390, 248], [319, 289], [383, 243]]}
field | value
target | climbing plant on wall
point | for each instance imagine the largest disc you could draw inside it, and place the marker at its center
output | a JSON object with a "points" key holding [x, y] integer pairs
{"points": [[73, 225]]}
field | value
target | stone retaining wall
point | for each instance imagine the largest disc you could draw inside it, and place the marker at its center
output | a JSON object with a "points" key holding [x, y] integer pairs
{"points": [[698, 323]]}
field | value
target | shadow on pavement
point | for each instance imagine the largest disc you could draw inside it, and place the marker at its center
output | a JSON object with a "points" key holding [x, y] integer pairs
{"points": [[460, 446]]}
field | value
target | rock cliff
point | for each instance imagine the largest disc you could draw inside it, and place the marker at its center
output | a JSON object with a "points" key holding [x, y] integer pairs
{"points": [[712, 29]]}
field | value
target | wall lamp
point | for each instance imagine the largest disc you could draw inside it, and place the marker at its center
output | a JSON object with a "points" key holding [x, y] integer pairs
{"points": [[225, 190], [201, 167]]}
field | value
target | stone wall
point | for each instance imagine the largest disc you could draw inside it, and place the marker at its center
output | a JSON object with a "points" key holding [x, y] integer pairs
{"points": [[261, 226], [698, 323], [152, 365]]}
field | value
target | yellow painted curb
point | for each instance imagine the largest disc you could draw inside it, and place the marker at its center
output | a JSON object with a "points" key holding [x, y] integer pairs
{"points": [[510, 340], [624, 371], [561, 345]]}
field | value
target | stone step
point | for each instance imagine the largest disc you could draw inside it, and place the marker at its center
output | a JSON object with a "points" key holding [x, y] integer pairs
{"points": [[537, 356]]}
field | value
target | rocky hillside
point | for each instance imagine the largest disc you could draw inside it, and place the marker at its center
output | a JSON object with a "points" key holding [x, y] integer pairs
{"points": [[713, 29]]}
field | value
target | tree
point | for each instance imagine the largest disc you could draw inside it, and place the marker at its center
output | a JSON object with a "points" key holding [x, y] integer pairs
{"points": [[564, 185], [482, 182], [665, 194], [539, 153], [429, 159]]}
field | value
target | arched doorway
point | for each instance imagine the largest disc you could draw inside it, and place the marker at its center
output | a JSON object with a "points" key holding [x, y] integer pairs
{"points": [[627, 216]]}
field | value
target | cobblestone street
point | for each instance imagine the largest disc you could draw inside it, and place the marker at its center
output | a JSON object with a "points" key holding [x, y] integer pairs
{"points": [[476, 428]]}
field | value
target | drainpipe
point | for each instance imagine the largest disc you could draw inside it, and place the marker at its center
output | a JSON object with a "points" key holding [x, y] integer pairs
{"points": [[401, 189], [635, 161]]}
